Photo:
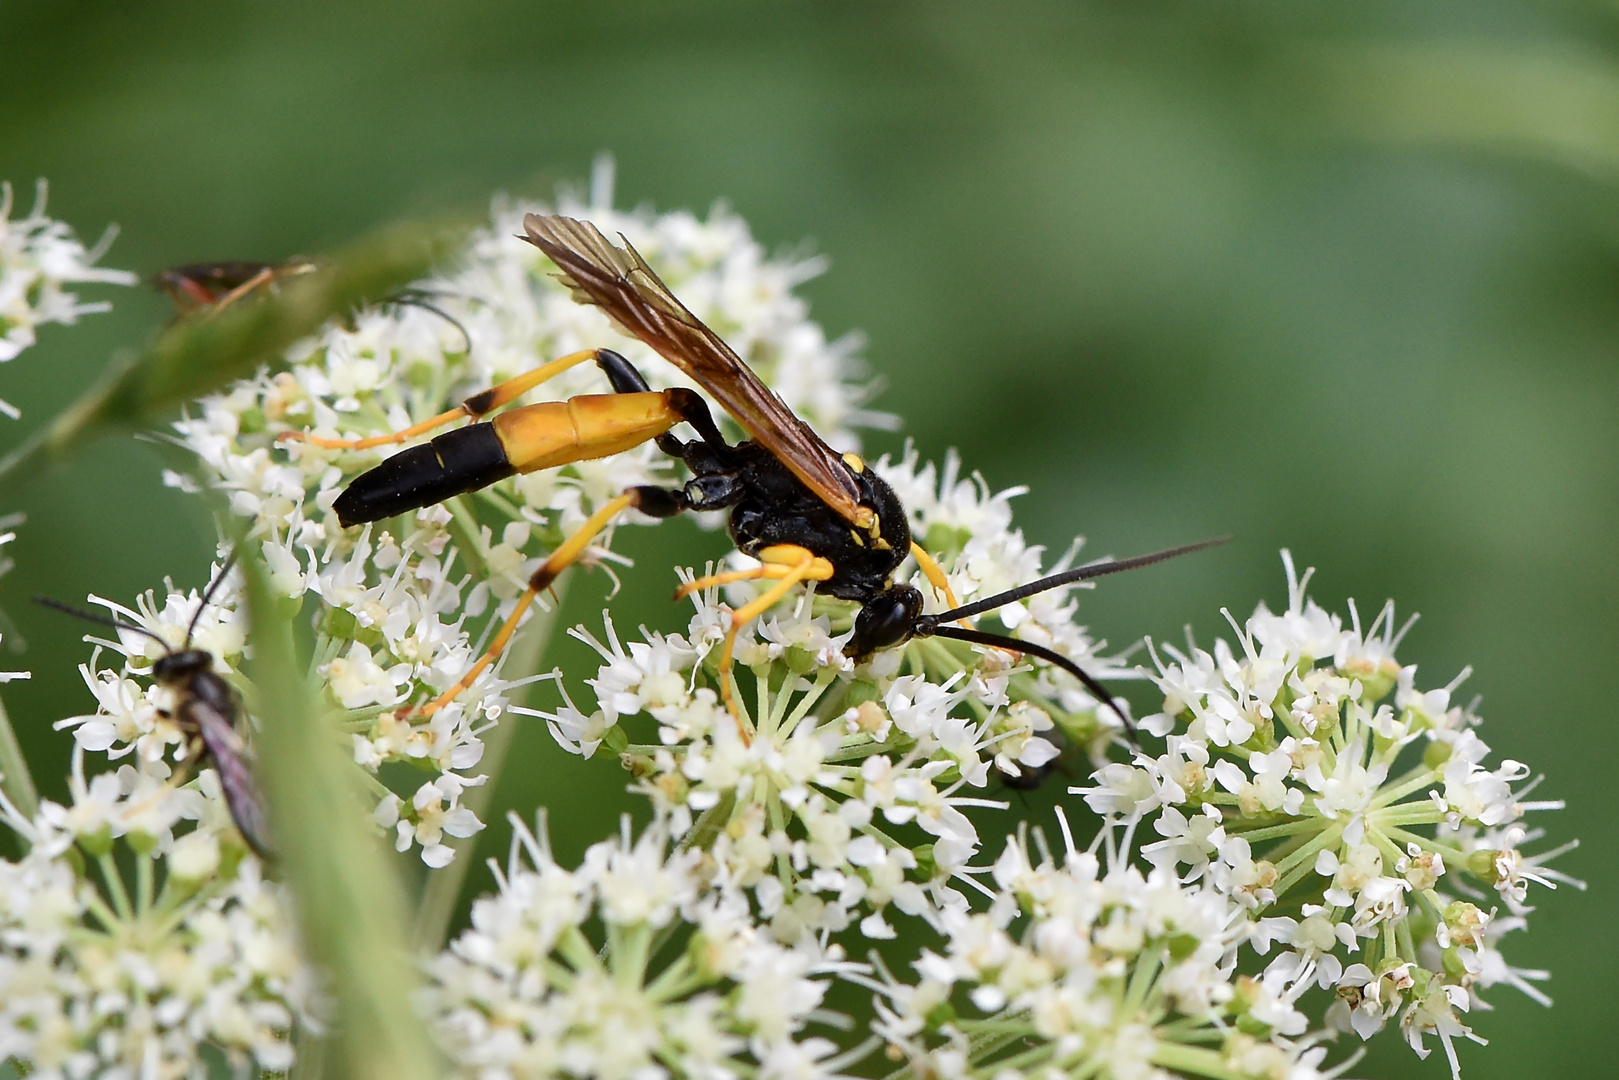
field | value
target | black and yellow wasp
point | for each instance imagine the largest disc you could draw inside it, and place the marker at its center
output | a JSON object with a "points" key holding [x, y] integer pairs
{"points": [[806, 512]]}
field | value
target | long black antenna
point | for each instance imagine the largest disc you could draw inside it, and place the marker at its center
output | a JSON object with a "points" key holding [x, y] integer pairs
{"points": [[207, 595], [1001, 641], [931, 623], [419, 298], [941, 624], [103, 620]]}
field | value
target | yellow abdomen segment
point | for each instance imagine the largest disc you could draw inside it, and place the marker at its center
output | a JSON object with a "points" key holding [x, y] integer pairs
{"points": [[554, 433]]}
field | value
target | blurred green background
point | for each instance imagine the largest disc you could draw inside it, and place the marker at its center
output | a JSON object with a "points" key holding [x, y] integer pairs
{"points": [[1343, 279]]}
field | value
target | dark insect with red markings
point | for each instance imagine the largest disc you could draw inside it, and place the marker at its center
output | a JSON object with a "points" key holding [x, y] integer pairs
{"points": [[213, 287], [206, 708], [217, 285]]}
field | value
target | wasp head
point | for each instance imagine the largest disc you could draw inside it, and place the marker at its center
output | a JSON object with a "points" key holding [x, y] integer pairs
{"points": [[885, 620]]}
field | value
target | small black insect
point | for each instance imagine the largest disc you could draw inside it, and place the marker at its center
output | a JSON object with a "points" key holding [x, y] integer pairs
{"points": [[206, 708]]}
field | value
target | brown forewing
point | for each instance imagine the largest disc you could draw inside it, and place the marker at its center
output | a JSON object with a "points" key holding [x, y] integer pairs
{"points": [[226, 749], [617, 280]]}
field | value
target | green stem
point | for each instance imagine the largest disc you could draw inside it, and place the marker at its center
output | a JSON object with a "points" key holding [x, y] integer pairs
{"points": [[1272, 832], [1301, 862], [1417, 813], [1037, 1054], [1328, 835], [350, 900], [1412, 781], [106, 916], [465, 527], [628, 948], [707, 829], [1408, 947], [577, 950], [1194, 1059], [1188, 1029], [143, 883], [1391, 851], [823, 679], [778, 822], [15, 779], [1141, 981], [173, 914], [673, 982], [115, 886], [761, 684], [1449, 851]]}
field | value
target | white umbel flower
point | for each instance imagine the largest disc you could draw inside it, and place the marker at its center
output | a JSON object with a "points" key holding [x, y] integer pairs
{"points": [[566, 973], [1085, 965], [157, 974], [849, 795], [1305, 770], [39, 258]]}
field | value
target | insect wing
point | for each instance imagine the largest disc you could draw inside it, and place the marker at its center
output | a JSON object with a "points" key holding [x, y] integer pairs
{"points": [[227, 750], [617, 280]]}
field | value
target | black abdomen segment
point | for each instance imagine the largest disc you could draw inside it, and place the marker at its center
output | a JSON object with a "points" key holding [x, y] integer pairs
{"points": [[456, 462]]}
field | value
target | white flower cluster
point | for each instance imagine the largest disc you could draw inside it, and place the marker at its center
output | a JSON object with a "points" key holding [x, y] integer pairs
{"points": [[1316, 821], [848, 796], [400, 610], [39, 257], [1081, 969], [135, 978], [638, 964], [1303, 771]]}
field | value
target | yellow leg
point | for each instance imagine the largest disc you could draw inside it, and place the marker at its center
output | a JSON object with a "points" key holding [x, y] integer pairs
{"points": [[806, 566], [473, 408], [487, 401], [560, 560], [751, 574], [933, 573], [403, 435], [263, 277]]}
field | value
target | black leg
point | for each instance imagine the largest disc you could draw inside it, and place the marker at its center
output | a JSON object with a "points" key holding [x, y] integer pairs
{"points": [[1001, 641], [625, 379]]}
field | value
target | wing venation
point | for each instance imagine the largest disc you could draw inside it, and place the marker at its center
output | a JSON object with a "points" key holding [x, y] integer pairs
{"points": [[617, 280]]}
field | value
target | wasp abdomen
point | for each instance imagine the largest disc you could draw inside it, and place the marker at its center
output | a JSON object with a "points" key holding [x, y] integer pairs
{"points": [[456, 462]]}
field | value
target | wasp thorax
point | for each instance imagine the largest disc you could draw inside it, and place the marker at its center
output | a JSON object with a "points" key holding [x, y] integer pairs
{"points": [[182, 665]]}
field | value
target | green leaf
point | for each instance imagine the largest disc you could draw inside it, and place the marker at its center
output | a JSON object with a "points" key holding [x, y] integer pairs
{"points": [[350, 899]]}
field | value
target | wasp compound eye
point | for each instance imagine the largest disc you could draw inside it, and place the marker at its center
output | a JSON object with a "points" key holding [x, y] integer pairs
{"points": [[886, 620]]}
